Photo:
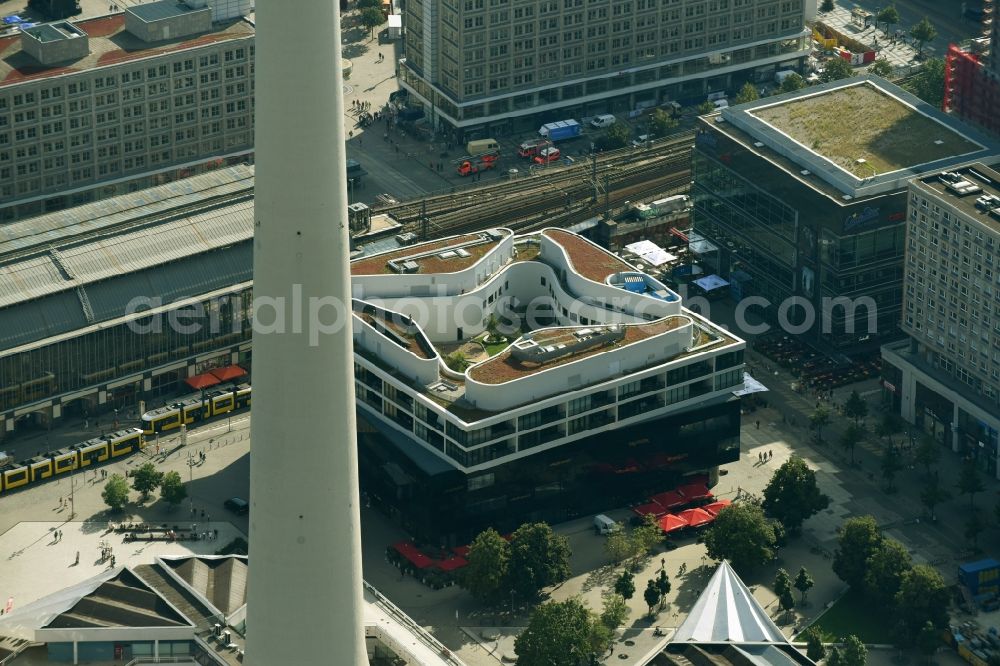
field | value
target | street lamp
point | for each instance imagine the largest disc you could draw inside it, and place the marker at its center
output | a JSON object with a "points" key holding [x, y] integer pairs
{"points": [[72, 488]]}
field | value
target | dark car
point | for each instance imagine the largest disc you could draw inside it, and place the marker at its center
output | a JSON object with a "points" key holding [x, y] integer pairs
{"points": [[238, 506]]}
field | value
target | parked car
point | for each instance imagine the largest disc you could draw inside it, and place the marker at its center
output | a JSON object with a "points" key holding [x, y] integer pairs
{"points": [[238, 506], [547, 155]]}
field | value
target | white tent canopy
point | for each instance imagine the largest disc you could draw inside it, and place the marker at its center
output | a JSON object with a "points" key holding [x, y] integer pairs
{"points": [[650, 252], [750, 385], [726, 612]]}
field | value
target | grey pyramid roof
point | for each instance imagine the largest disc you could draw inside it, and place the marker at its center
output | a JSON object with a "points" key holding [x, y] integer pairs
{"points": [[726, 612]]}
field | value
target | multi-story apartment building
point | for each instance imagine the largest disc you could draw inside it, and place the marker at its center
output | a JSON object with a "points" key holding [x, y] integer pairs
{"points": [[972, 76], [802, 198], [945, 377], [117, 103], [483, 67]]}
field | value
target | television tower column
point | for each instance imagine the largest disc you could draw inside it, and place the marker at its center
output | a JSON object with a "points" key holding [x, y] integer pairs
{"points": [[304, 589]]}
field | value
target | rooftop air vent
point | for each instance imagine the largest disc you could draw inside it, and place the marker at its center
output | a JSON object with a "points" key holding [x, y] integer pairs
{"points": [[758, 144], [805, 172], [988, 202], [494, 234], [462, 252], [847, 197], [447, 254], [410, 266], [962, 187]]}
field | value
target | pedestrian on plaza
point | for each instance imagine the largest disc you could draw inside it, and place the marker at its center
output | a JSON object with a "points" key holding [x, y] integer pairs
{"points": [[769, 454], [77, 558], [758, 425]]}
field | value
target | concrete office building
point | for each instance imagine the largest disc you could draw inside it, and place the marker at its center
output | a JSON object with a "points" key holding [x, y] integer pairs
{"points": [[972, 76], [487, 67], [945, 377], [803, 196], [114, 104]]}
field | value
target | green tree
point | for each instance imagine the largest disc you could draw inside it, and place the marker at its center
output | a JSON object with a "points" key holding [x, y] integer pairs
{"points": [[969, 482], [625, 585], [782, 582], [115, 493], [933, 494], [146, 478], [887, 565], [615, 611], [928, 453], [792, 82], [645, 536], [881, 67], [364, 4], [651, 595], [856, 408], [889, 16], [818, 420], [803, 582], [485, 577], [616, 136], [928, 82], [371, 18], [661, 123], [929, 639], [172, 489], [826, 6], [538, 558], [891, 465], [857, 539], [456, 361], [663, 585], [618, 545], [747, 93], [836, 69], [923, 597], [792, 496], [786, 602], [855, 652], [705, 108], [850, 438], [742, 535], [561, 633], [836, 657], [974, 525], [923, 32], [815, 649]]}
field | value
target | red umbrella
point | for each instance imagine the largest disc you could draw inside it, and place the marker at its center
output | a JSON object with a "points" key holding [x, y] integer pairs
{"points": [[670, 523], [229, 372], [715, 507], [202, 381], [696, 517], [670, 499]]}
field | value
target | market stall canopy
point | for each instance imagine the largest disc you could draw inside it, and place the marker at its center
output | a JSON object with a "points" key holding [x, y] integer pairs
{"points": [[695, 491], [452, 563], [650, 252], [710, 282], [651, 509], [410, 552], [670, 499]]}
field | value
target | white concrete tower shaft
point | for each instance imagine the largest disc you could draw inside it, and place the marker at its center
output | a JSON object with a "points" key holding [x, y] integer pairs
{"points": [[304, 596]]}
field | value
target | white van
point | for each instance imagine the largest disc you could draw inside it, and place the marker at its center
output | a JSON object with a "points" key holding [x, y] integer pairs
{"points": [[603, 120], [604, 525]]}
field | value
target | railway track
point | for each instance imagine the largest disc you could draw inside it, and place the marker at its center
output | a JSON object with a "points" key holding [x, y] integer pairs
{"points": [[442, 210]]}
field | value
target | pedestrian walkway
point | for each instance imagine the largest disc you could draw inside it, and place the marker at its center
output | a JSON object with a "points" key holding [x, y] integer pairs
{"points": [[895, 48]]}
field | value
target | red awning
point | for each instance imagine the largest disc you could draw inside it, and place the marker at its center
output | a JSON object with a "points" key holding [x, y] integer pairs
{"points": [[452, 563], [695, 491], [670, 499], [715, 507], [651, 509], [202, 381], [228, 373], [461, 551], [410, 552], [670, 523], [696, 517]]}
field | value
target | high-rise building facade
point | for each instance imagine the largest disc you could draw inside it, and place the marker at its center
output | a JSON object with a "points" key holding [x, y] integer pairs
{"points": [[972, 76], [121, 102], [489, 66], [946, 377]]}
